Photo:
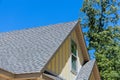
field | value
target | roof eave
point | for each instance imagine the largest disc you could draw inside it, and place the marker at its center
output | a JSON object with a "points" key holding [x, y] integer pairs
{"points": [[8, 75]]}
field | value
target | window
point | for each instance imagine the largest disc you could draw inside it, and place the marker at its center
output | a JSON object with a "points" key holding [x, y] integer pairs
{"points": [[74, 56]]}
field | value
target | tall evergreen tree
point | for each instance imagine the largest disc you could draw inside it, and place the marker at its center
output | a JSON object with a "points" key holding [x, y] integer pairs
{"points": [[101, 19]]}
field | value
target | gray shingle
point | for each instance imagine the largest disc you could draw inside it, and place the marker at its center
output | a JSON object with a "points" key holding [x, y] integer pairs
{"points": [[86, 70], [28, 51]]}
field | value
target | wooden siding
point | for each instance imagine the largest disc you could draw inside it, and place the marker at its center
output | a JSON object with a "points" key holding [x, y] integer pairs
{"points": [[92, 76], [96, 72], [60, 64]]}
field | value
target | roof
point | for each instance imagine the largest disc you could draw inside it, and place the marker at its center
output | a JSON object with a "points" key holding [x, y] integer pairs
{"points": [[29, 50], [86, 70]]}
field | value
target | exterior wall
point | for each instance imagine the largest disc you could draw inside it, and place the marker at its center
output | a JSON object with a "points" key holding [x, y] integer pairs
{"points": [[92, 76], [96, 72], [60, 64]]}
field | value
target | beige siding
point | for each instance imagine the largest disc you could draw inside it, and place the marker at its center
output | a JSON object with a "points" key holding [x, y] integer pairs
{"points": [[92, 76], [60, 64]]}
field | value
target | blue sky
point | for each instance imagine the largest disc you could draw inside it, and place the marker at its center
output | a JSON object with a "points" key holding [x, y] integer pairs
{"points": [[21, 14]]}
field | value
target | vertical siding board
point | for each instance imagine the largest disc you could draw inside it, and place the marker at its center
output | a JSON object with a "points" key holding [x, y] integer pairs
{"points": [[52, 65], [61, 58], [57, 62], [65, 58], [63, 51], [48, 66], [65, 54], [67, 49]]}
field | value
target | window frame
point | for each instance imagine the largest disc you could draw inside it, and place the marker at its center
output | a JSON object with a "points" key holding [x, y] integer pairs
{"points": [[75, 55]]}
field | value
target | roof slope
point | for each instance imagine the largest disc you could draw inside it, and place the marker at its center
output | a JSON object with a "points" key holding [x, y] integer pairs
{"points": [[86, 70], [28, 51]]}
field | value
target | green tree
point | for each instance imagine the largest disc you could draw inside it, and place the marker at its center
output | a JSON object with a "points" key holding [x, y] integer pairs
{"points": [[100, 20]]}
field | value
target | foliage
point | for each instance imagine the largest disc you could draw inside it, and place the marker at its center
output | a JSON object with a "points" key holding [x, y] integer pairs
{"points": [[100, 20]]}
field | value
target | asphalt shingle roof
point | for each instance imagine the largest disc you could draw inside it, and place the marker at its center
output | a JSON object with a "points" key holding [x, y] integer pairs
{"points": [[29, 50], [86, 70]]}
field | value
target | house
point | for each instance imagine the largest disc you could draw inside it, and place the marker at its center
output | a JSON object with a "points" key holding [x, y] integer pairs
{"points": [[54, 52]]}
